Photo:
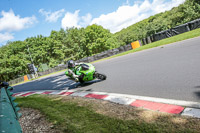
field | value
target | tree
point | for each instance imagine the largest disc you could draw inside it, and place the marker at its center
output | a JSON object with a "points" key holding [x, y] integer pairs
{"points": [[98, 39]]}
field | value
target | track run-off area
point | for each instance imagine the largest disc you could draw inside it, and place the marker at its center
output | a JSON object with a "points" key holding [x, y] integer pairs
{"points": [[166, 72]]}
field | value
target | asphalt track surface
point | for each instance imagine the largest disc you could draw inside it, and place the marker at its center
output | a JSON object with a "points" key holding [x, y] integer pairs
{"points": [[171, 71]]}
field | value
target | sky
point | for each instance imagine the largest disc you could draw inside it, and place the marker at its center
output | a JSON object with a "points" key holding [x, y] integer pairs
{"points": [[20, 19]]}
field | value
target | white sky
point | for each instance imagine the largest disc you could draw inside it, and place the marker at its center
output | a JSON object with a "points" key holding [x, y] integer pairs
{"points": [[124, 16]]}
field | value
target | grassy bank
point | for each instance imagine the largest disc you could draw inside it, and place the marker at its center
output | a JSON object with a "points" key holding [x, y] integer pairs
{"points": [[81, 115], [181, 37]]}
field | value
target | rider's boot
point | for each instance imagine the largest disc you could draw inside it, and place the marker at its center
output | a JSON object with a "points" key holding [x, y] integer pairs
{"points": [[76, 79]]}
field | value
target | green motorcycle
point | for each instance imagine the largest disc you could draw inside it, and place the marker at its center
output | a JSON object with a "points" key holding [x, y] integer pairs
{"points": [[86, 72]]}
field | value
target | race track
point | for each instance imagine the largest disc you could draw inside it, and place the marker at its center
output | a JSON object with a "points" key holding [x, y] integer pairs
{"points": [[170, 71]]}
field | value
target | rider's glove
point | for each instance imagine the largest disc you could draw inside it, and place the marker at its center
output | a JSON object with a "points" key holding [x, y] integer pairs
{"points": [[76, 79], [69, 73], [76, 76]]}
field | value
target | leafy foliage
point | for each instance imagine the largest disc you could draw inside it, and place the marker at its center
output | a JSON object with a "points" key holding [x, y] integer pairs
{"points": [[76, 43], [60, 46]]}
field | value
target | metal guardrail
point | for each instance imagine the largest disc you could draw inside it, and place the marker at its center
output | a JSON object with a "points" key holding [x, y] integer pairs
{"points": [[172, 32], [8, 111]]}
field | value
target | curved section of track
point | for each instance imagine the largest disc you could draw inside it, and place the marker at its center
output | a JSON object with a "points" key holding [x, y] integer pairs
{"points": [[171, 71]]}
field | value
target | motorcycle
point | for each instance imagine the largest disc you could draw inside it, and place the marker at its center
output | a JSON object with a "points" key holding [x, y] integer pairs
{"points": [[86, 72]]}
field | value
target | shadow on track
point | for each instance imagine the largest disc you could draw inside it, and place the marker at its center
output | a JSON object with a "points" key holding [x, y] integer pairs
{"points": [[197, 93], [80, 85], [58, 82]]}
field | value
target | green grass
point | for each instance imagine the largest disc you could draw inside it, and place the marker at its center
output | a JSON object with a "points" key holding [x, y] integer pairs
{"points": [[69, 116], [184, 36]]}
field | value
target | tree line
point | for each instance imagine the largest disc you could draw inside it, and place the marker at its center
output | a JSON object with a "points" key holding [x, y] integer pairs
{"points": [[188, 11], [76, 43]]}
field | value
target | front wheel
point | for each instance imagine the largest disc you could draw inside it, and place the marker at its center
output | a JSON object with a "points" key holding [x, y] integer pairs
{"points": [[100, 76]]}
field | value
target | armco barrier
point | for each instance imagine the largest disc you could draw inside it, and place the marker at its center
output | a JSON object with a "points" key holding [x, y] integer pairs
{"points": [[55, 69], [31, 76], [121, 49], [114, 52], [152, 38], [149, 39], [107, 53], [180, 29], [144, 41], [127, 47], [21, 79], [160, 35], [17, 80], [194, 24], [172, 32], [8, 111]]}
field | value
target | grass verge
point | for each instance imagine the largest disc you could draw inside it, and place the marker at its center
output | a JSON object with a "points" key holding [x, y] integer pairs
{"points": [[83, 115]]}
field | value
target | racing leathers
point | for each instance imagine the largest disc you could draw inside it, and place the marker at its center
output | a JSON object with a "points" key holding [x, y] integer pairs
{"points": [[71, 72]]}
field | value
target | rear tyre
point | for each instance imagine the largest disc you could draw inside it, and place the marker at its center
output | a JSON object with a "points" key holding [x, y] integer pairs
{"points": [[100, 76], [81, 81]]}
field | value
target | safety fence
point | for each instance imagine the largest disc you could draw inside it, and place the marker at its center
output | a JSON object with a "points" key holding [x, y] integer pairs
{"points": [[21, 79], [156, 37], [172, 32], [107, 53], [32, 76]]}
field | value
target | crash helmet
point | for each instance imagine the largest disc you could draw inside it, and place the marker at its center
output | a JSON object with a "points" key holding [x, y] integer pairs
{"points": [[71, 64]]}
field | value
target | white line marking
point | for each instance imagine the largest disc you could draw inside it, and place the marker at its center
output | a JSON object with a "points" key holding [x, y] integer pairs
{"points": [[61, 91], [100, 93], [81, 94], [120, 100], [160, 100], [20, 93], [125, 97], [191, 112], [55, 93]]}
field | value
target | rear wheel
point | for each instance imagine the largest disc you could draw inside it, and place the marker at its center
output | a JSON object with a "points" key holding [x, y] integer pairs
{"points": [[81, 81], [100, 76]]}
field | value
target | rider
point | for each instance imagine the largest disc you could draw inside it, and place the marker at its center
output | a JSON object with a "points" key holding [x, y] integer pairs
{"points": [[71, 69]]}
